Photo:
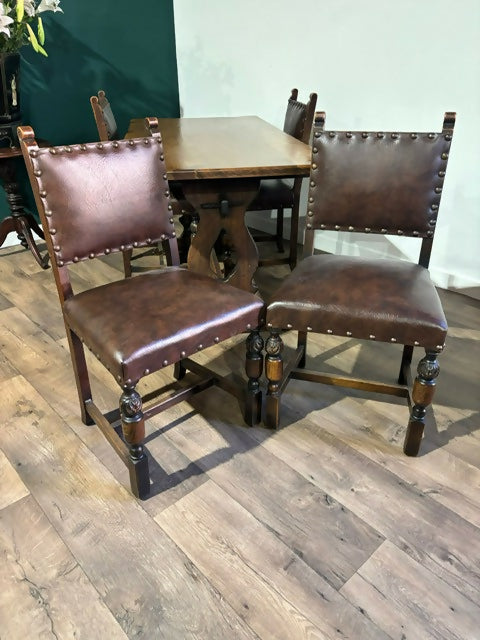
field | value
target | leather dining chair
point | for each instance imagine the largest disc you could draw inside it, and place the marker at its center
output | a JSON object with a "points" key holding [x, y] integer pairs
{"points": [[284, 193], [371, 183], [133, 326], [108, 130]]}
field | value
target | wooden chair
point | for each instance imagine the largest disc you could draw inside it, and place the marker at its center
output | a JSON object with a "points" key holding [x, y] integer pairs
{"points": [[373, 183], [133, 326], [284, 193], [108, 130]]}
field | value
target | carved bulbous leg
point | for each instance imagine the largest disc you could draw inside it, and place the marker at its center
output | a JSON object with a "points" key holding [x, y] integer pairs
{"points": [[422, 396], [254, 369], [133, 429], [274, 373]]}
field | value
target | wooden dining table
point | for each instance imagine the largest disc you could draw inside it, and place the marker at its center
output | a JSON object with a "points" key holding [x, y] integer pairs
{"points": [[219, 163]]}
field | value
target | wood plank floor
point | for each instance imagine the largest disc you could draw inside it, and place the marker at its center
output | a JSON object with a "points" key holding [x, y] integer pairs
{"points": [[321, 530]]}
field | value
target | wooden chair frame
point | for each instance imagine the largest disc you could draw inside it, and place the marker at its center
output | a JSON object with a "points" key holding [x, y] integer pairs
{"points": [[419, 392], [124, 427]]}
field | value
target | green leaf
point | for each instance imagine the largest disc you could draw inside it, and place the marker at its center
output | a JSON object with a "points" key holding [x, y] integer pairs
{"points": [[41, 32]]}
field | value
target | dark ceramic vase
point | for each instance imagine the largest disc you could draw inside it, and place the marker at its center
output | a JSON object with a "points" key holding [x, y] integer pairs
{"points": [[9, 87]]}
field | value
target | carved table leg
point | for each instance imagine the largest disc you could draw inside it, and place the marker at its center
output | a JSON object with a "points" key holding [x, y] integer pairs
{"points": [[422, 396], [133, 429], [221, 206]]}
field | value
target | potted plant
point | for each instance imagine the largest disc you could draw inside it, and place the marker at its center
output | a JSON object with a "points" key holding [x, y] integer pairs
{"points": [[20, 24]]}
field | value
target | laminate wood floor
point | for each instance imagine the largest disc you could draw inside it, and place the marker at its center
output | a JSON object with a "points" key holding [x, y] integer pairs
{"points": [[320, 530]]}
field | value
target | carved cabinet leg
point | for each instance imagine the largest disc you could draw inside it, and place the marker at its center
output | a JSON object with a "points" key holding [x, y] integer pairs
{"points": [[274, 373], [254, 368], [422, 396], [133, 429]]}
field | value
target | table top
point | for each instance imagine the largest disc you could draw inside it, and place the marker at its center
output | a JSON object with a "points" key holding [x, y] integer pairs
{"points": [[230, 147]]}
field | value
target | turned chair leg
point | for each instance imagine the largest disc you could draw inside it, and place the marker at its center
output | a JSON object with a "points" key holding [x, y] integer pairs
{"points": [[274, 374], [254, 369], [422, 396], [81, 374], [133, 429]]}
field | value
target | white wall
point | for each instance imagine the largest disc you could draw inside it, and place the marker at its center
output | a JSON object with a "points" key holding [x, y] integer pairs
{"points": [[375, 64]]}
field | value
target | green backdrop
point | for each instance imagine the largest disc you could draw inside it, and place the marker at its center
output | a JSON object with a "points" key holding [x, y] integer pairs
{"points": [[126, 48]]}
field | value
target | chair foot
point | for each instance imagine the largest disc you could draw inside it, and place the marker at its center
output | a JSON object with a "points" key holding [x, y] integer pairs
{"points": [[272, 412], [253, 408], [139, 472]]}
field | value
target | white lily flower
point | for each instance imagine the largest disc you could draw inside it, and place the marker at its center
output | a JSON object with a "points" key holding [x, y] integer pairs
{"points": [[4, 21], [49, 5], [30, 9]]}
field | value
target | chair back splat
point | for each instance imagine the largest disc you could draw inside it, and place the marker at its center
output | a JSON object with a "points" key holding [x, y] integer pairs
{"points": [[387, 183], [100, 198], [284, 193]]}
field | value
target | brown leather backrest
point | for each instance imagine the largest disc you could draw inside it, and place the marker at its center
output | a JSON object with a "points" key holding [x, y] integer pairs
{"points": [[299, 117], [101, 197], [377, 182], [104, 118]]}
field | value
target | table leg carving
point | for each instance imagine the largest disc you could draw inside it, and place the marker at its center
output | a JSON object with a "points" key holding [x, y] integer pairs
{"points": [[221, 206]]}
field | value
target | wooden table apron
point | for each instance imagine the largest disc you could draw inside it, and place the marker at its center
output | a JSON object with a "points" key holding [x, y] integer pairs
{"points": [[220, 162]]}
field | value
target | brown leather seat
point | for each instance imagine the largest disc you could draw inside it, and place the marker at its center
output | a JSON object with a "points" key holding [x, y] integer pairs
{"points": [[134, 326], [108, 130], [374, 183], [284, 193]]}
